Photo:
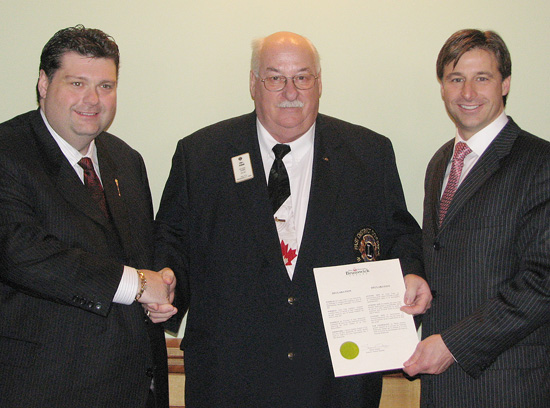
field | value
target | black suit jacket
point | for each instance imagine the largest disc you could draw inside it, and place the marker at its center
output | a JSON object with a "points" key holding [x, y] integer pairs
{"points": [[489, 264], [254, 338], [63, 342]]}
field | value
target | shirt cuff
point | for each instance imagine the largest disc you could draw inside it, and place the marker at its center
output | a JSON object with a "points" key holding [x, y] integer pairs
{"points": [[128, 287]]}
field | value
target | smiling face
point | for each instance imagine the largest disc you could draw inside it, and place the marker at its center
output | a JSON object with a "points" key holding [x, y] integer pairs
{"points": [[80, 99], [473, 91], [289, 113]]}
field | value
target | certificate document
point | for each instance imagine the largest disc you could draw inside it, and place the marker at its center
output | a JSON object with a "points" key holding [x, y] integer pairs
{"points": [[365, 329]]}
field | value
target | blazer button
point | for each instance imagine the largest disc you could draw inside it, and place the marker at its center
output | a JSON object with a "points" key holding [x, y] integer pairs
{"points": [[291, 355], [291, 300], [98, 306], [437, 245], [90, 305], [149, 372]]}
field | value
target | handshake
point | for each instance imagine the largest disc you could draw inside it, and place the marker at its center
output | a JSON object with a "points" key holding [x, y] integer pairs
{"points": [[158, 295]]}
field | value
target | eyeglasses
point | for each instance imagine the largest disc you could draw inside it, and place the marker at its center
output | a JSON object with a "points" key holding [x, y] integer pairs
{"points": [[278, 82]]}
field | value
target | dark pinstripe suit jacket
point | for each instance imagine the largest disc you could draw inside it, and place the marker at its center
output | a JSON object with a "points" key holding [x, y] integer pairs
{"points": [[62, 342], [489, 266], [255, 338]]}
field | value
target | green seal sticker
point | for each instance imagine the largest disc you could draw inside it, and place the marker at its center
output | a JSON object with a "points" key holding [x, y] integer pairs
{"points": [[349, 350]]}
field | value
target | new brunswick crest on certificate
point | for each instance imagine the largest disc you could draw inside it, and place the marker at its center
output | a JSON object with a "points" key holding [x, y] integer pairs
{"points": [[365, 329]]}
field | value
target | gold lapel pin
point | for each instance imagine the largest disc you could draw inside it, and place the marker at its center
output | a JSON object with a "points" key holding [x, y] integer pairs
{"points": [[118, 189]]}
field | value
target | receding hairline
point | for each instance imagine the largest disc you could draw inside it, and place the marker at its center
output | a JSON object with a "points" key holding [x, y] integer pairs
{"points": [[258, 44]]}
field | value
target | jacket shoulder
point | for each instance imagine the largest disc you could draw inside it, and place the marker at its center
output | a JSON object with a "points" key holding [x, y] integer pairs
{"points": [[115, 144], [350, 133], [17, 127], [529, 141], [223, 129]]}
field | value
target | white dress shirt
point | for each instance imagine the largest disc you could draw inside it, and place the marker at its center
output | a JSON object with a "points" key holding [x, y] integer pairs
{"points": [[299, 166]]}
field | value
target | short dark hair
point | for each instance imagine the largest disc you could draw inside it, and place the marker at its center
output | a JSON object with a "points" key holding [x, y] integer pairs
{"points": [[88, 42], [466, 40]]}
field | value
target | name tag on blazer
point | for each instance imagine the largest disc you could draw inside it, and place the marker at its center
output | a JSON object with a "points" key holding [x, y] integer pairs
{"points": [[242, 168]]}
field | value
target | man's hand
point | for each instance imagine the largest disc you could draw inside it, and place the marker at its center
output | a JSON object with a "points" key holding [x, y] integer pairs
{"points": [[158, 296], [159, 313], [418, 296], [430, 357]]}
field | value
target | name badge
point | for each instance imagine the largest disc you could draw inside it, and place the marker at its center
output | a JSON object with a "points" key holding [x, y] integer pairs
{"points": [[242, 168]]}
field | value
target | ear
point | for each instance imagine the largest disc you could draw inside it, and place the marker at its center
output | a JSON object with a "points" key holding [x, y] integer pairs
{"points": [[506, 85], [320, 84], [253, 80], [43, 82]]}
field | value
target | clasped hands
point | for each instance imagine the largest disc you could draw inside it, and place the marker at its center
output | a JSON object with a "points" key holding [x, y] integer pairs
{"points": [[159, 294]]}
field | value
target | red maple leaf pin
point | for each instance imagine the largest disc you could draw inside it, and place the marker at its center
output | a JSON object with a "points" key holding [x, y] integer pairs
{"points": [[288, 253]]}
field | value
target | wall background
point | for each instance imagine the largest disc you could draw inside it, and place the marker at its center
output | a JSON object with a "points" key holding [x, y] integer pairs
{"points": [[185, 65]]}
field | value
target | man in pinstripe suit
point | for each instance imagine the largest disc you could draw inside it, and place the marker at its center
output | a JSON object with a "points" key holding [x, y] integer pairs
{"points": [[487, 255], [73, 332]]}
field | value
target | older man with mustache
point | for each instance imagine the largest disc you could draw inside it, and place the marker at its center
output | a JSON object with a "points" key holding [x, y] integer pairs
{"points": [[251, 206]]}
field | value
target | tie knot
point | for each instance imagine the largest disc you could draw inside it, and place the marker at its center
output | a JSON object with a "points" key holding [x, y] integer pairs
{"points": [[281, 150], [461, 151], [86, 163]]}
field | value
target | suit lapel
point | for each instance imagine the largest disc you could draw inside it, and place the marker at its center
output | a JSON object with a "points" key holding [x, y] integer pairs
{"points": [[117, 207], [61, 172], [328, 165], [253, 196], [74, 191], [486, 166], [327, 170]]}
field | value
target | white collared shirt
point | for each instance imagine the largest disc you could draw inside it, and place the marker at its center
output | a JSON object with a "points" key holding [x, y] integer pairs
{"points": [[478, 143], [299, 166]]}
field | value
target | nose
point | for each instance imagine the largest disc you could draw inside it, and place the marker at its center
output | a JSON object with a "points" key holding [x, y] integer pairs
{"points": [[91, 96], [290, 92], [468, 90]]}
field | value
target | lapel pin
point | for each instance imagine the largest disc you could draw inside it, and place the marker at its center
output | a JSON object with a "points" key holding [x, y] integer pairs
{"points": [[118, 189]]}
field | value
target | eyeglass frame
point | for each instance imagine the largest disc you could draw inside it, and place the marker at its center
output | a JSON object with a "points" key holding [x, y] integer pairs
{"points": [[315, 77]]}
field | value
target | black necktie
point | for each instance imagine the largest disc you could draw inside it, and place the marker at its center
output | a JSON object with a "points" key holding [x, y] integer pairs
{"points": [[94, 185], [278, 185]]}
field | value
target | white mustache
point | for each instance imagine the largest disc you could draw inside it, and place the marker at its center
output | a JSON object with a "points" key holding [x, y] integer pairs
{"points": [[291, 104]]}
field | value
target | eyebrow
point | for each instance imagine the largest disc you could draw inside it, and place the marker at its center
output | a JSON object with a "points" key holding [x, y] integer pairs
{"points": [[458, 73], [84, 78], [271, 69]]}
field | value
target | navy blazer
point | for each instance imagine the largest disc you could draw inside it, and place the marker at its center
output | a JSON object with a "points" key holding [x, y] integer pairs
{"points": [[63, 342], [254, 337]]}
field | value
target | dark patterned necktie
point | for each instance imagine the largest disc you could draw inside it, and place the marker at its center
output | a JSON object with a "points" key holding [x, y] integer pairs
{"points": [[461, 151], [94, 185], [278, 185]]}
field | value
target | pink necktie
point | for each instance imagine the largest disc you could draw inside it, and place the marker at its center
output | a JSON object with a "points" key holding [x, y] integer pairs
{"points": [[94, 185], [461, 151]]}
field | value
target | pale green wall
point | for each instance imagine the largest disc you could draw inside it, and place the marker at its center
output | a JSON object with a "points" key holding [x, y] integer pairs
{"points": [[185, 65]]}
